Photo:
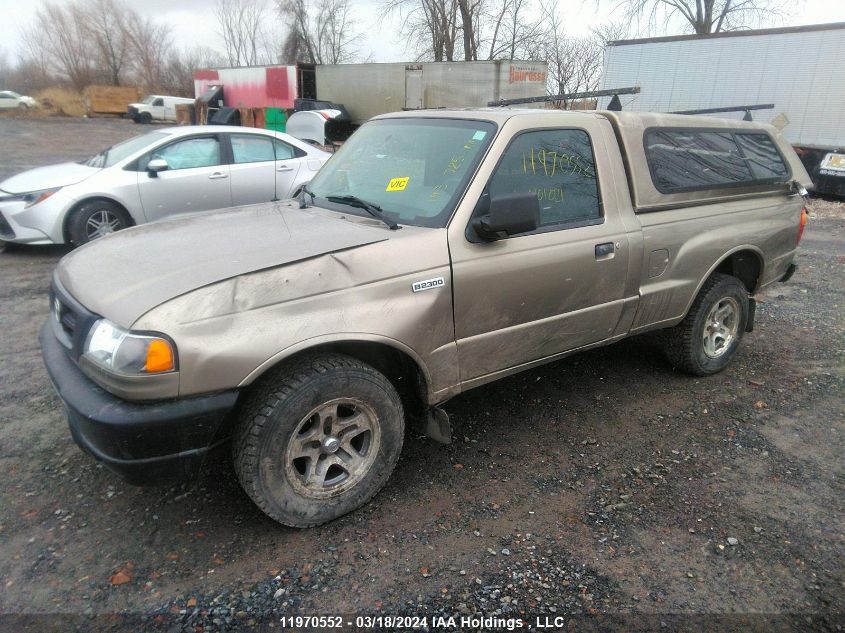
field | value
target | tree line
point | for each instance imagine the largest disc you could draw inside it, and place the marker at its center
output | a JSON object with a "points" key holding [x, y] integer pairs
{"points": [[84, 42]]}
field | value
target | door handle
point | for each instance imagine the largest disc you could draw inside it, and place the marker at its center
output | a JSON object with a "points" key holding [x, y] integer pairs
{"points": [[284, 168], [217, 176], [605, 250]]}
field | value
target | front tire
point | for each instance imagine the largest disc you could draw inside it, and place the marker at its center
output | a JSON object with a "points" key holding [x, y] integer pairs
{"points": [[95, 219], [145, 118], [317, 439], [708, 337]]}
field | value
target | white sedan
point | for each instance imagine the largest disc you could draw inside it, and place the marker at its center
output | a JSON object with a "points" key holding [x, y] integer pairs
{"points": [[164, 173], [10, 100]]}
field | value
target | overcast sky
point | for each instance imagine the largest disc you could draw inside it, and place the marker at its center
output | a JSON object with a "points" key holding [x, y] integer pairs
{"points": [[193, 23]]}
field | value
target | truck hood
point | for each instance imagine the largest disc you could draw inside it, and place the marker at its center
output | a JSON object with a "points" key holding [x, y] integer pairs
{"points": [[49, 177], [125, 275]]}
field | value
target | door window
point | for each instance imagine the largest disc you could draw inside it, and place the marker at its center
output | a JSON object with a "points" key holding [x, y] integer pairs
{"points": [[285, 151], [188, 154], [158, 102], [559, 168], [250, 148]]}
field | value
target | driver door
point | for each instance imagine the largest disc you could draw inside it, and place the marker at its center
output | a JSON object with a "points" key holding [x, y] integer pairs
{"points": [[533, 295], [195, 180]]}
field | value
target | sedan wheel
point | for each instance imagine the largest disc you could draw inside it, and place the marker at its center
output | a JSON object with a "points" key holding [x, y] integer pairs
{"points": [[101, 223], [96, 219]]}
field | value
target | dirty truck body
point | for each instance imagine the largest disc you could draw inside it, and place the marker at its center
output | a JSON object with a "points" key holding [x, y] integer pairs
{"points": [[309, 330]]}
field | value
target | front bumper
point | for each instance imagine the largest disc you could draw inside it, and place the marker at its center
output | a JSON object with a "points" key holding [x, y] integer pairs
{"points": [[146, 443], [38, 224]]}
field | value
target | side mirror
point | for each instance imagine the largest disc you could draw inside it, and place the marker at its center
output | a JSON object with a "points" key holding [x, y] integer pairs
{"points": [[156, 165], [506, 215]]}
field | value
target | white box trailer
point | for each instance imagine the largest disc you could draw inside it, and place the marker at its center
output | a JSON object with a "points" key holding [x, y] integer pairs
{"points": [[371, 89], [800, 70]]}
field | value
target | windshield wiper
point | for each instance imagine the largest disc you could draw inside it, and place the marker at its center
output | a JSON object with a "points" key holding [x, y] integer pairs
{"points": [[373, 209], [302, 193]]}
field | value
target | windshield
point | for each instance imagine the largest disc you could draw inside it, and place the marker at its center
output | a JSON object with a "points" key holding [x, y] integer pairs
{"points": [[414, 169], [116, 153], [149, 99]]}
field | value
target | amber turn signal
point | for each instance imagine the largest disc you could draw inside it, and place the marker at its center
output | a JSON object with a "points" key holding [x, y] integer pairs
{"points": [[802, 224], [159, 357]]}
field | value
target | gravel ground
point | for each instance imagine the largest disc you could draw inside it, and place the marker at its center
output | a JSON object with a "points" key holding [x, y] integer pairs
{"points": [[605, 489]]}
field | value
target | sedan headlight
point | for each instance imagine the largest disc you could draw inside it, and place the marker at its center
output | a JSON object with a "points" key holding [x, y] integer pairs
{"points": [[120, 350], [34, 197]]}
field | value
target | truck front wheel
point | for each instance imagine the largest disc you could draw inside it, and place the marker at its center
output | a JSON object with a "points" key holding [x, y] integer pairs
{"points": [[317, 439], [708, 337]]}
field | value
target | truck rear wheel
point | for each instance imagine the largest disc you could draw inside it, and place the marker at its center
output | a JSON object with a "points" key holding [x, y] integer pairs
{"points": [[708, 337], [318, 439]]}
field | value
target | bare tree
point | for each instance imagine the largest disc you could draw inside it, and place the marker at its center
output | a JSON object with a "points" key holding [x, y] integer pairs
{"points": [[430, 27], [150, 45], [59, 34], [244, 28], [179, 72], [704, 16], [612, 31], [512, 34], [575, 63], [321, 32], [5, 68], [104, 23]]}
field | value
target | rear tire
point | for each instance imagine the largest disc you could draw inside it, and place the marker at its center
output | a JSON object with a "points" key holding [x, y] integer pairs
{"points": [[708, 337], [317, 439], [95, 219]]}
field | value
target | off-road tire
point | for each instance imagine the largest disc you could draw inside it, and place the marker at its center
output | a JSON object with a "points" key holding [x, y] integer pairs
{"points": [[684, 344], [77, 224], [273, 412]]}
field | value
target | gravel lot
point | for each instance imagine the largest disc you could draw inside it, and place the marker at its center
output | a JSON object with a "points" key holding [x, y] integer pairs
{"points": [[605, 488]]}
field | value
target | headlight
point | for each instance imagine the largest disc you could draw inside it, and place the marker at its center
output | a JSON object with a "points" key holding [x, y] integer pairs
{"points": [[34, 197], [120, 350]]}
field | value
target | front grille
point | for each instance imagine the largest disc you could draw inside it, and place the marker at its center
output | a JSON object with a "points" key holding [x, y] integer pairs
{"points": [[71, 321], [133, 110], [5, 228], [67, 319]]}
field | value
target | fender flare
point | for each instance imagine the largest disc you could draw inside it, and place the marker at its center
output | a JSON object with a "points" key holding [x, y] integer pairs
{"points": [[743, 247], [341, 337]]}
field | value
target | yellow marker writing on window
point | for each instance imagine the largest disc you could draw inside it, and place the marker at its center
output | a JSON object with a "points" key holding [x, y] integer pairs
{"points": [[398, 184]]}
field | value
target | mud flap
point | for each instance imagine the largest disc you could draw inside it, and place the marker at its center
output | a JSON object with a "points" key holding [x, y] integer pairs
{"points": [[752, 310], [437, 426]]}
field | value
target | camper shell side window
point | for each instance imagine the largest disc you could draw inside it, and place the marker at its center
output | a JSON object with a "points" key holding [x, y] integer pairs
{"points": [[690, 159]]}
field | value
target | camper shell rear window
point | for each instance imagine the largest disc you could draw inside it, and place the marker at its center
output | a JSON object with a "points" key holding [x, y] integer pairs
{"points": [[694, 159]]}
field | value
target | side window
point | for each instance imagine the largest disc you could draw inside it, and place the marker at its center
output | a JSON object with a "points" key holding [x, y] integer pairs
{"points": [[558, 167], [283, 150], [688, 160], [187, 154], [158, 102], [763, 158], [250, 148]]}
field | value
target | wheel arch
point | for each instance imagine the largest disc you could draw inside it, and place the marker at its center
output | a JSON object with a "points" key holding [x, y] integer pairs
{"points": [[745, 262], [73, 209], [401, 365]]}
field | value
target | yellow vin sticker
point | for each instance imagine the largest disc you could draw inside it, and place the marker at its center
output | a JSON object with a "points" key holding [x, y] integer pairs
{"points": [[398, 184]]}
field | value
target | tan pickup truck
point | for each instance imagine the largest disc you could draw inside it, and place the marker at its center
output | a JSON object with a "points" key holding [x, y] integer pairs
{"points": [[435, 252]]}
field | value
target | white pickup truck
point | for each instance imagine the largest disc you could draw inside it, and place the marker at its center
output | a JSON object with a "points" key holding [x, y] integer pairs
{"points": [[156, 108]]}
